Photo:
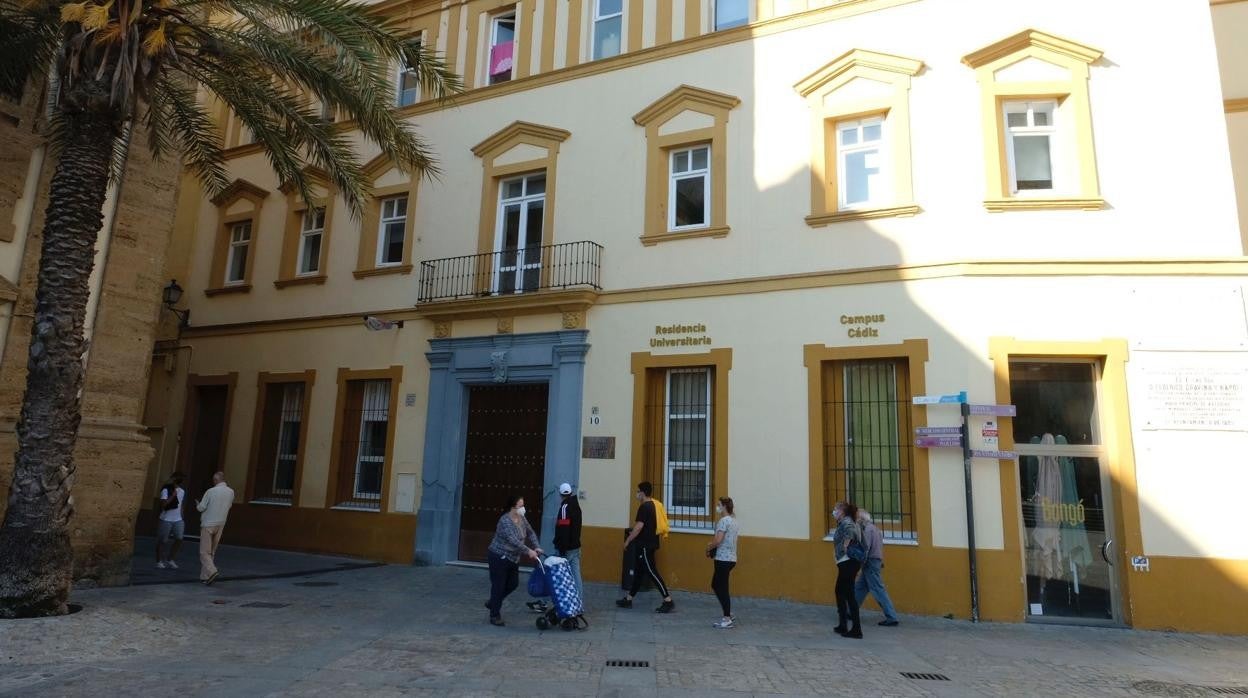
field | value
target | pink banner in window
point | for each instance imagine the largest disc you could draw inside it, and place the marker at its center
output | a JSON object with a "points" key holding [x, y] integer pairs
{"points": [[500, 58]]}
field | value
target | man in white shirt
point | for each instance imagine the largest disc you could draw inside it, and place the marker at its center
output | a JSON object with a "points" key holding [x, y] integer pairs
{"points": [[170, 526], [213, 508]]}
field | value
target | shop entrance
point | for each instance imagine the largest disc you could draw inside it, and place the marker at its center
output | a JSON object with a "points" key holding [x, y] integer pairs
{"points": [[1065, 492], [504, 454]]}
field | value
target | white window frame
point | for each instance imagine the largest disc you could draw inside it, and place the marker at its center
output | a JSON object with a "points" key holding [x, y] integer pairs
{"points": [[749, 16], [674, 177], [515, 34], [292, 405], [1053, 131], [381, 228], [595, 19], [309, 217], [384, 386], [874, 199], [670, 466], [238, 246], [525, 200]]}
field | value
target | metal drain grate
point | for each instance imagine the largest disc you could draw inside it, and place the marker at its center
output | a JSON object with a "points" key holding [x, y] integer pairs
{"points": [[920, 676], [629, 663], [1229, 690], [316, 584], [263, 604]]}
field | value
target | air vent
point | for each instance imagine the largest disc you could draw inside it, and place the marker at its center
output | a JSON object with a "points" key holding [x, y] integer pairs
{"points": [[921, 676], [1229, 690], [629, 663]]}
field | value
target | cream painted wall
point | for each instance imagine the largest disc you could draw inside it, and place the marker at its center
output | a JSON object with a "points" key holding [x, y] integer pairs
{"points": [[1230, 22], [1237, 138]]}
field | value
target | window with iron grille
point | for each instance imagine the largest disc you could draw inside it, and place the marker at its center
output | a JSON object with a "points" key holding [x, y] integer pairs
{"points": [[362, 452], [281, 428], [678, 443], [869, 451]]}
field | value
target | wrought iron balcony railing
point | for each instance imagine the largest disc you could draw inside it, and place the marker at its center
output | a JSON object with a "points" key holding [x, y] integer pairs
{"points": [[522, 270]]}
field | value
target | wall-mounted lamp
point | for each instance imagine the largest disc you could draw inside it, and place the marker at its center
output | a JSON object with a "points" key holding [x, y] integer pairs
{"points": [[171, 294]]}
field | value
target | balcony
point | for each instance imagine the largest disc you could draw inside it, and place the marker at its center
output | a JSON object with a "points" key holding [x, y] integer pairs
{"points": [[564, 277]]}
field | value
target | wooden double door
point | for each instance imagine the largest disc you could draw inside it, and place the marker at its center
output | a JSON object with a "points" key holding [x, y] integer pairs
{"points": [[504, 455]]}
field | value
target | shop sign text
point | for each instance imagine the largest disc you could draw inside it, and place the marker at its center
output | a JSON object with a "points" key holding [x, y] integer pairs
{"points": [[860, 326], [693, 336]]}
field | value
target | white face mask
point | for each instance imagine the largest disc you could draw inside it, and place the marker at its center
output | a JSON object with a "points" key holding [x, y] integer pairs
{"points": [[520, 511], [640, 496], [719, 508]]}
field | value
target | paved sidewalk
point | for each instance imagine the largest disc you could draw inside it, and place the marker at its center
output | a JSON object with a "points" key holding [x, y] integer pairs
{"points": [[397, 630], [234, 562]]}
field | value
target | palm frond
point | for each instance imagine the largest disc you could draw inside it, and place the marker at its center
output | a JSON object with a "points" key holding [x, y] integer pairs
{"points": [[175, 114], [28, 43]]}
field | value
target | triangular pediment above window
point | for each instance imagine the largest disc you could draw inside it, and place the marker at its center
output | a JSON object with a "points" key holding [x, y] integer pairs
{"points": [[1032, 42], [682, 99], [240, 189], [313, 175], [519, 132], [858, 63]]}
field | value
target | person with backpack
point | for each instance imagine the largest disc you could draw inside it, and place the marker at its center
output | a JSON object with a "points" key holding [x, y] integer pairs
{"points": [[723, 550], [513, 539], [170, 525], [568, 534], [646, 531], [872, 577], [847, 543]]}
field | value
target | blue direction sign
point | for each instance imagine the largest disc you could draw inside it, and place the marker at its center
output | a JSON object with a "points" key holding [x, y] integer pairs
{"points": [[998, 455], [995, 410], [938, 441], [938, 431], [954, 399]]}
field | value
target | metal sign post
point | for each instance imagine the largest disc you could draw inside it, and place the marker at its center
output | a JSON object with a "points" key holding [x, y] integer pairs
{"points": [[970, 510]]}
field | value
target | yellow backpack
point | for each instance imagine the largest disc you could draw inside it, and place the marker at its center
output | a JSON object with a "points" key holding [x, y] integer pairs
{"points": [[661, 525]]}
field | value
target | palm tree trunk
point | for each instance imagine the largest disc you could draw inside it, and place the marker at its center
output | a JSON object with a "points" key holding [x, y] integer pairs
{"points": [[37, 573]]}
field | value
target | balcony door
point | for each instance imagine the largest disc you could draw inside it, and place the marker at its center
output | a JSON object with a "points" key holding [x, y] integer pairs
{"points": [[518, 242]]}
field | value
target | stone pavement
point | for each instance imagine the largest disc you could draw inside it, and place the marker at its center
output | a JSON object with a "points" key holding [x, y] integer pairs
{"points": [[397, 630]]}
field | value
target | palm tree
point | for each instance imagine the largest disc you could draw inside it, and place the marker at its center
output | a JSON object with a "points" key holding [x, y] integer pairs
{"points": [[153, 66]]}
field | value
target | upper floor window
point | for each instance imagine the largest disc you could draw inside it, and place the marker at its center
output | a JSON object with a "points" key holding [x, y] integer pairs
{"points": [[311, 233], [407, 86], [731, 13], [392, 231], [1030, 132], [502, 47], [689, 198], [608, 27], [240, 245], [860, 163]]}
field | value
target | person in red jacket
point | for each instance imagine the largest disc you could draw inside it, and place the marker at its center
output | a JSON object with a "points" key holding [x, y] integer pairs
{"points": [[568, 534]]}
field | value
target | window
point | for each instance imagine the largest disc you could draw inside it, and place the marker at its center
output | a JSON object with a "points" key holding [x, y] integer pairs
{"points": [[731, 13], [407, 86], [364, 443], [1030, 133], [521, 215], [687, 462], [689, 198], [392, 230], [240, 245], [868, 453], [860, 163], [278, 438], [310, 236], [1036, 112], [502, 48], [860, 120], [608, 28]]}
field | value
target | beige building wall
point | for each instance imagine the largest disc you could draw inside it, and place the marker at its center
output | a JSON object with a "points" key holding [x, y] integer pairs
{"points": [[1230, 21]]}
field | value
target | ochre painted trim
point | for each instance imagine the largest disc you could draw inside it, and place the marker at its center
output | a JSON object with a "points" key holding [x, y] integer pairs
{"points": [[711, 232], [395, 375], [555, 301], [223, 290], [1235, 266], [1115, 420], [863, 215], [518, 132], [263, 379], [310, 280], [240, 189], [369, 535], [1045, 204], [1234, 106], [383, 271], [190, 415], [242, 151], [1010, 46], [642, 364]]}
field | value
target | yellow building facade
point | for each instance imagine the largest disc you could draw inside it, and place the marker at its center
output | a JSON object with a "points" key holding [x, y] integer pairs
{"points": [[744, 249]]}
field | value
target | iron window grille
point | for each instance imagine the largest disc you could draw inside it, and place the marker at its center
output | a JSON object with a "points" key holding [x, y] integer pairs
{"points": [[869, 451], [366, 428], [281, 429], [679, 446], [288, 439]]}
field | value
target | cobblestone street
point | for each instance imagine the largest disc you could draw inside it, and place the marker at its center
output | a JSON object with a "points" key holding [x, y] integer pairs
{"points": [[394, 630]]}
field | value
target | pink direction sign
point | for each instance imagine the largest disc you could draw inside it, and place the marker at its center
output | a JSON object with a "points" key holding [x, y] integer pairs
{"points": [[995, 410], [938, 431], [938, 441]]}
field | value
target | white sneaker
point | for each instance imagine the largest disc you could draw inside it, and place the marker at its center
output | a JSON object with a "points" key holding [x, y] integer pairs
{"points": [[171, 565], [160, 565], [724, 624]]}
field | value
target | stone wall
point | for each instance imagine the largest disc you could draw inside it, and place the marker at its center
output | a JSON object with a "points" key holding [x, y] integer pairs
{"points": [[113, 452]]}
